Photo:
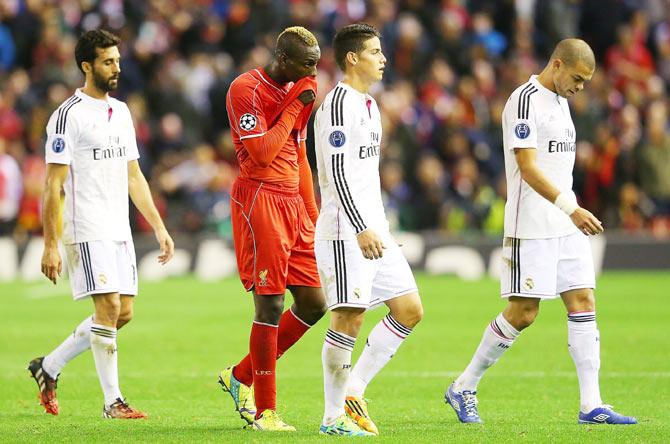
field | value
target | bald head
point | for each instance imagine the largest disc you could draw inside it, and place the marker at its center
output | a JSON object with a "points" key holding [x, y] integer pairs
{"points": [[574, 51]]}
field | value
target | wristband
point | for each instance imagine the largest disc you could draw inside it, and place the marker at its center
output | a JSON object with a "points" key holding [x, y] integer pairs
{"points": [[566, 204]]}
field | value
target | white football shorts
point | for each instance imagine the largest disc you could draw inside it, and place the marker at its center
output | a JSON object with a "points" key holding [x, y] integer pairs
{"points": [[545, 268], [101, 267], [351, 280]]}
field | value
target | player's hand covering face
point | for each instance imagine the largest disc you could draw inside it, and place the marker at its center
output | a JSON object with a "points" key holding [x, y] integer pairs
{"points": [[301, 64]]}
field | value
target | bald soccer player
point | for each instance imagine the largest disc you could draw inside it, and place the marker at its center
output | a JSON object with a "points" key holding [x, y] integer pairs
{"points": [[546, 251]]}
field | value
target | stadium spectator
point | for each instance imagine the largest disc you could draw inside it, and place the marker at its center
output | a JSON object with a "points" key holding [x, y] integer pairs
{"points": [[451, 64], [11, 190]]}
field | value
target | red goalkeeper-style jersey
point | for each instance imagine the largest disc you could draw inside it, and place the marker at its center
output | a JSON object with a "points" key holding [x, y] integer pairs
{"points": [[254, 104]]}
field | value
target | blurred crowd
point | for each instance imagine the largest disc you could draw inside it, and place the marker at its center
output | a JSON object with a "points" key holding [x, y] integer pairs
{"points": [[451, 66]]}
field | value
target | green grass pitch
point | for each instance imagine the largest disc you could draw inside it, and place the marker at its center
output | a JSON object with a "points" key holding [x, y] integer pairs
{"points": [[185, 330]]}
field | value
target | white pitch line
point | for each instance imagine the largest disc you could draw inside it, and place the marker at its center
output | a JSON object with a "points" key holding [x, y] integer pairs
{"points": [[525, 374], [46, 290], [406, 374]]}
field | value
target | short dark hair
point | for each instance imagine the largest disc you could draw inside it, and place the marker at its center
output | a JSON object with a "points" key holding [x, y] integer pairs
{"points": [[85, 51], [351, 39]]}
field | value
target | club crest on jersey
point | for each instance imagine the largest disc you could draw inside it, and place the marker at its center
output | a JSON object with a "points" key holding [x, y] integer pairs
{"points": [[337, 139], [58, 145], [248, 122], [263, 278], [522, 130]]}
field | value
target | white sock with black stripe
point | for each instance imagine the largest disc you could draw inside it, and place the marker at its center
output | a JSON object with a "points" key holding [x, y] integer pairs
{"points": [[382, 343], [103, 346], [336, 359], [498, 336], [75, 344], [584, 347]]}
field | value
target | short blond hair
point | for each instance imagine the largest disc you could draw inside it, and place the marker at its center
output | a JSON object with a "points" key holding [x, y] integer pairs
{"points": [[301, 33]]}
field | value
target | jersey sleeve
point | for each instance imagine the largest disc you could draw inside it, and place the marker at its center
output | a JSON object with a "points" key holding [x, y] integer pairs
{"points": [[334, 136], [245, 110], [522, 118], [61, 137]]}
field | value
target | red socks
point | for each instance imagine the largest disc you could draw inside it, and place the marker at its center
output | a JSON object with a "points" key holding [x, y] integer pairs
{"points": [[291, 328], [263, 350]]}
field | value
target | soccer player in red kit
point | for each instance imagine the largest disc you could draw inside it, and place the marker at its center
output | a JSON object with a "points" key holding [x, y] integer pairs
{"points": [[273, 213]]}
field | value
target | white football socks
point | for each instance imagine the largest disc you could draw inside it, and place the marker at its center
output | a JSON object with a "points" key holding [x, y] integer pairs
{"points": [[336, 359], [584, 347], [103, 346], [382, 344], [498, 336], [75, 344]]}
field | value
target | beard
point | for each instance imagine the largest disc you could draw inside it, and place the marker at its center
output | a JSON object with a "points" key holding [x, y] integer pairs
{"points": [[103, 84]]}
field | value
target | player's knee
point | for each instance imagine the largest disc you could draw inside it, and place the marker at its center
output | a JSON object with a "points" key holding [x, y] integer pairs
{"points": [[583, 301], [410, 315], [526, 317], [521, 316], [107, 311], [124, 317], [270, 312]]}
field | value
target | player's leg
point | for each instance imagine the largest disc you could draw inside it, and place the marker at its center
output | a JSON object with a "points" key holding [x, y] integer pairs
{"points": [[384, 340], [345, 323], [524, 281], [76, 343], [82, 260], [347, 285], [308, 307], [392, 284], [103, 344], [498, 337], [111, 310], [576, 282], [126, 312]]}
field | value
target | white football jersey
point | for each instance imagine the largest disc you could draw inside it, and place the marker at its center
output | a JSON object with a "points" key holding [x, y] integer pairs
{"points": [[348, 131], [97, 144], [535, 117]]}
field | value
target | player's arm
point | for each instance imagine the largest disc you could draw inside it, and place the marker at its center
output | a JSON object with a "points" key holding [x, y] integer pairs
{"points": [[264, 147], [538, 181], [334, 138], [51, 260], [305, 185], [140, 194]]}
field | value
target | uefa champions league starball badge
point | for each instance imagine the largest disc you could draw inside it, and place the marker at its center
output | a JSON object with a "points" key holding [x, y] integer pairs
{"points": [[248, 122]]}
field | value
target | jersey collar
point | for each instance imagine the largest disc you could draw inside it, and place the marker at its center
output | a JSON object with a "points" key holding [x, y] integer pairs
{"points": [[91, 101], [541, 88], [268, 79], [354, 91]]}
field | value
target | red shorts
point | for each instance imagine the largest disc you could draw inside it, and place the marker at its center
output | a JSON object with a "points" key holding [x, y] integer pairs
{"points": [[274, 237]]}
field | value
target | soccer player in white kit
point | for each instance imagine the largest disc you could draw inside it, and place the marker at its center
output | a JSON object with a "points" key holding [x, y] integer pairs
{"points": [[546, 251], [360, 265], [91, 154]]}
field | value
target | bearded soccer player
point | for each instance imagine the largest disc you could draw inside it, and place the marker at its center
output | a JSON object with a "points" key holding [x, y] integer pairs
{"points": [[273, 214], [546, 251], [91, 154]]}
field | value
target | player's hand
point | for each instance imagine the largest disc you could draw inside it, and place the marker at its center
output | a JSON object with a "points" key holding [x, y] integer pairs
{"points": [[307, 97], [586, 222], [51, 263], [166, 245], [370, 244]]}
